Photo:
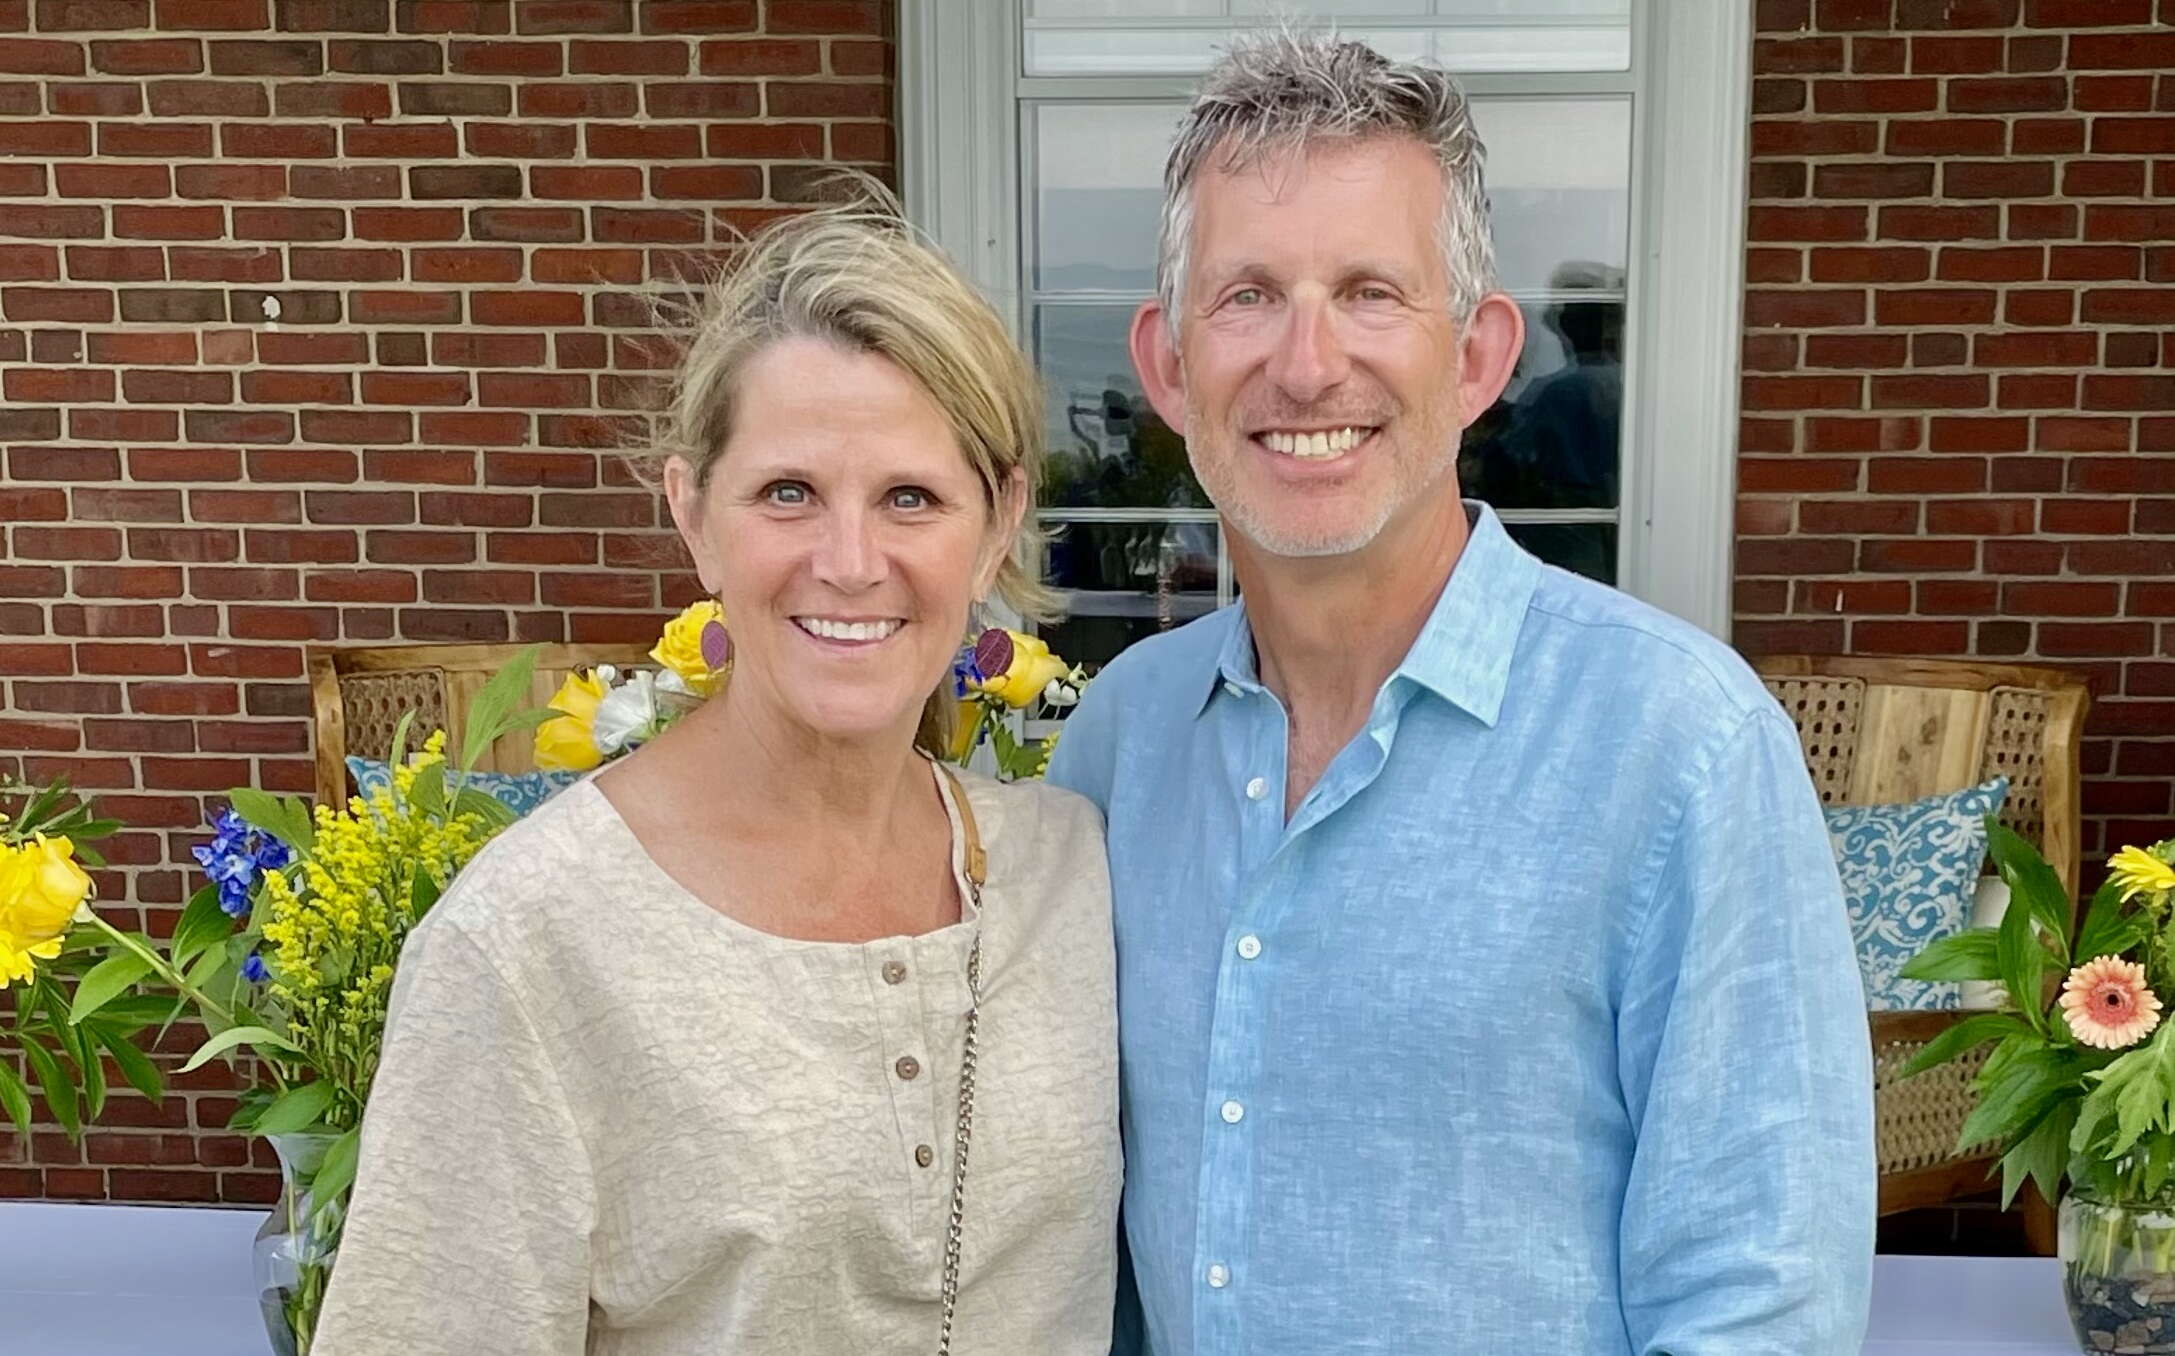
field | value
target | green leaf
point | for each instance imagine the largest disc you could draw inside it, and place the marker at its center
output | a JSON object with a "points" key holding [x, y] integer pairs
{"points": [[108, 980], [135, 1066], [328, 1190], [2109, 930], [397, 752], [60, 1090], [94, 1075], [2040, 1155], [2023, 962], [2034, 882], [261, 810], [495, 813], [428, 791], [202, 924], [1972, 954], [2026, 1086], [301, 835], [1968, 1034], [90, 857], [422, 893], [295, 1109], [486, 717], [226, 1040], [15, 1098]]}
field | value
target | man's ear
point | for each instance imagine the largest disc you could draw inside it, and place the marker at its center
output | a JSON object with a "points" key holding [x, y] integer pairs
{"points": [[1155, 360], [1488, 348], [683, 496]]}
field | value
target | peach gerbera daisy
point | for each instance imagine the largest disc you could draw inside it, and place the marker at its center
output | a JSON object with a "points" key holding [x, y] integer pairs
{"points": [[2107, 1004]]}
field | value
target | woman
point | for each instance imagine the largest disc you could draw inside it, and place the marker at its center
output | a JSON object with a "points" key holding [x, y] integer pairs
{"points": [[676, 1064]]}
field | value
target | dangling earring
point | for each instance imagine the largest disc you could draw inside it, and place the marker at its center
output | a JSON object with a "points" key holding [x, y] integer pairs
{"points": [[717, 645]]}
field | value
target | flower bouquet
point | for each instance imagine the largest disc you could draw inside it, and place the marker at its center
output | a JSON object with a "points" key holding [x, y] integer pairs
{"points": [[288, 953], [1002, 672], [2080, 1085]]}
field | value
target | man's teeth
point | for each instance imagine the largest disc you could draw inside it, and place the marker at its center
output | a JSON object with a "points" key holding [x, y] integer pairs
{"points": [[825, 629], [1315, 446]]}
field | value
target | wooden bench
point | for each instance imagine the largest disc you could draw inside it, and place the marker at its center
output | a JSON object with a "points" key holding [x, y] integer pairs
{"points": [[1880, 731]]}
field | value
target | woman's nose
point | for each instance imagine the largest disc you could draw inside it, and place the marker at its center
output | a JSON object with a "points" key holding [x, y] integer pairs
{"points": [[849, 557]]}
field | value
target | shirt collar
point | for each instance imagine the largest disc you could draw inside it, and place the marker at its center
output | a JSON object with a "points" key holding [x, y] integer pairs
{"points": [[1463, 654]]}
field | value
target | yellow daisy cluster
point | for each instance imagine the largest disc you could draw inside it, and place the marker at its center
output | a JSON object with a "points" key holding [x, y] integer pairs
{"points": [[337, 926]]}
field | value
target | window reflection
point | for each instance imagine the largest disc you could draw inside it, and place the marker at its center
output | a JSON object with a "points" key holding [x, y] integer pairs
{"points": [[1128, 581], [1552, 439]]}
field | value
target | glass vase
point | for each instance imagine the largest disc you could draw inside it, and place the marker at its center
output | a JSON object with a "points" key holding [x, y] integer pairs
{"points": [[296, 1246], [2118, 1274]]}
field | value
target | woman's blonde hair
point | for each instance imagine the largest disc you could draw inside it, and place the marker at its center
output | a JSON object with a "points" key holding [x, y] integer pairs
{"points": [[854, 273]]}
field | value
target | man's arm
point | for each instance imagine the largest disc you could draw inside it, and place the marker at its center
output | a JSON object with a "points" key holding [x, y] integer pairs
{"points": [[1747, 1072]]}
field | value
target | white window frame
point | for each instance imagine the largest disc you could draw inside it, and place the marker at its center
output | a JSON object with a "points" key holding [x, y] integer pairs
{"points": [[959, 89]]}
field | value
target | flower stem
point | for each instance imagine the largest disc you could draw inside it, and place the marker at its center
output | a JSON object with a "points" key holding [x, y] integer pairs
{"points": [[169, 975]]}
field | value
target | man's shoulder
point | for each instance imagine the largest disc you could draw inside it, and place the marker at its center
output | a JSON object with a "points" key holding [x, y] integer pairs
{"points": [[1660, 658], [1170, 667]]}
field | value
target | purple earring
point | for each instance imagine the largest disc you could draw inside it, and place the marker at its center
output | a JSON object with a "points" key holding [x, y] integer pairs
{"points": [[717, 645]]}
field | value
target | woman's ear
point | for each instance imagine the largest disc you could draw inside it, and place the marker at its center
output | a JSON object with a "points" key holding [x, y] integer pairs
{"points": [[683, 496]]}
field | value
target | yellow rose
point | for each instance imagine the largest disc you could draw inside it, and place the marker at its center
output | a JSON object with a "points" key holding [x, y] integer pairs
{"points": [[16, 954], [680, 648], [566, 743], [1031, 670], [41, 888]]}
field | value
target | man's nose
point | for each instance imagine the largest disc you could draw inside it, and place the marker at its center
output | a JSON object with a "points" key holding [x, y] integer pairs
{"points": [[1311, 360], [849, 558]]}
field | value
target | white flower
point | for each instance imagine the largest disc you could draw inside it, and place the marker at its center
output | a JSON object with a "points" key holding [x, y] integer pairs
{"points": [[628, 714]]}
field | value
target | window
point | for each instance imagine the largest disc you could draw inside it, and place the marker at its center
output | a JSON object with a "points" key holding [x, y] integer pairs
{"points": [[1033, 143]]}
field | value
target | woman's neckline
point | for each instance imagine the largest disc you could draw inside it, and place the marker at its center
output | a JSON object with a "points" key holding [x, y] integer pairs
{"points": [[674, 888]]}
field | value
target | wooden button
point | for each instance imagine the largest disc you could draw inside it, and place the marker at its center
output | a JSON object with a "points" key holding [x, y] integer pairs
{"points": [[908, 1067], [894, 972], [924, 1155]]}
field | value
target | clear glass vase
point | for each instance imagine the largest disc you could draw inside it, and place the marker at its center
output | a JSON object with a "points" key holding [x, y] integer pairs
{"points": [[2118, 1274], [296, 1246]]}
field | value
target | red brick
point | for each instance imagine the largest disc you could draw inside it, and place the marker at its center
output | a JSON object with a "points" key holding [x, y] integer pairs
{"points": [[508, 58], [2122, 51], [824, 16], [590, 100], [1925, 475], [2085, 517], [520, 141], [698, 16], [2113, 93], [812, 99], [416, 388], [289, 141], [27, 56], [478, 510], [209, 98]]}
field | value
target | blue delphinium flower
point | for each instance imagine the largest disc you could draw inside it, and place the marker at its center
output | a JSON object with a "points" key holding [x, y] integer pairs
{"points": [[236, 857], [253, 969], [966, 676]]}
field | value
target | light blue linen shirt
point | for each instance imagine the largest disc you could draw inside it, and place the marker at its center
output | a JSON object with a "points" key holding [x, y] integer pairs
{"points": [[1537, 1028]]}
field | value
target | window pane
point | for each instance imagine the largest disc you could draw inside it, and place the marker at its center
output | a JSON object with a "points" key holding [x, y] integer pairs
{"points": [[1582, 548], [1552, 439], [1098, 192], [1108, 449], [1559, 178], [1559, 184], [1126, 582], [1184, 37]]}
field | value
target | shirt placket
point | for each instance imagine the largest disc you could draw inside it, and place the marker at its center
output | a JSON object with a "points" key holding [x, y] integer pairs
{"points": [[1254, 774], [911, 998]]}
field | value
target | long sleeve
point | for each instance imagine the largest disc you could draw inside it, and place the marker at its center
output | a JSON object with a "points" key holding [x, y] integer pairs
{"points": [[470, 1225], [1746, 1069]]}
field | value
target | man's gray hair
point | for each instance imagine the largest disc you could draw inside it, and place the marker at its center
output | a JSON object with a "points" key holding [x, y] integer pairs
{"points": [[1288, 89]]}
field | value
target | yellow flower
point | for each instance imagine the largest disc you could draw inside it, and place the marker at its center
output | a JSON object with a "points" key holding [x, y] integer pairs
{"points": [[16, 954], [966, 724], [680, 648], [2138, 872], [1028, 668], [567, 743], [41, 887]]}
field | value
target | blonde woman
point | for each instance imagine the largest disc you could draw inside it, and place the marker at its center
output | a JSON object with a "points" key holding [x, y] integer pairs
{"points": [[677, 1064]]}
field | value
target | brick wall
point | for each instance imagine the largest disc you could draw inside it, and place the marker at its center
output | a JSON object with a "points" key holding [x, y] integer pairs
{"points": [[1959, 418], [313, 316]]}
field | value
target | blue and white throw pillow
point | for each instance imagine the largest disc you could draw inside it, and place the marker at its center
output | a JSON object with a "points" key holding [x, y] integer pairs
{"points": [[1909, 873], [521, 791]]}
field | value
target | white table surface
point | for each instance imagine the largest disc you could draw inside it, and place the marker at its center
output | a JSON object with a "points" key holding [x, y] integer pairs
{"points": [[121, 1280]]}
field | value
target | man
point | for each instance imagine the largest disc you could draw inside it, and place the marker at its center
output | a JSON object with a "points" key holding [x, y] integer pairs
{"points": [[1484, 978]]}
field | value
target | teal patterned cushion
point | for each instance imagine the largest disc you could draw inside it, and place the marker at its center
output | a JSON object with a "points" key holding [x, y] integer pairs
{"points": [[1909, 872], [521, 791]]}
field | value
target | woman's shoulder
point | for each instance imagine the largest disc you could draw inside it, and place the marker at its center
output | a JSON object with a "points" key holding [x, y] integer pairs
{"points": [[1035, 830], [551, 861]]}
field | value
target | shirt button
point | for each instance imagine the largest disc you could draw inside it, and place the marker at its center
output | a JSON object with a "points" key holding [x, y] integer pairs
{"points": [[1230, 687], [908, 1066], [924, 1155], [1233, 1113], [1249, 946], [894, 972], [1257, 788], [1219, 1276]]}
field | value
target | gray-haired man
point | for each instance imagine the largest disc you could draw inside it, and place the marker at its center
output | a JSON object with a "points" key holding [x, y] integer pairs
{"points": [[1484, 979]]}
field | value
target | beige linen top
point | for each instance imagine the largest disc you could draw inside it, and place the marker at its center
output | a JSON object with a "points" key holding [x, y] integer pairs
{"points": [[610, 1119]]}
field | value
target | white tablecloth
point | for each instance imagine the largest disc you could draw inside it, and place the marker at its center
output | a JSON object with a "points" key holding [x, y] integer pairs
{"points": [[120, 1280]]}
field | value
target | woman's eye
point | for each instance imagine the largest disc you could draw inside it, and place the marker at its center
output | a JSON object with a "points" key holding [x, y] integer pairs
{"points": [[910, 497], [789, 493]]}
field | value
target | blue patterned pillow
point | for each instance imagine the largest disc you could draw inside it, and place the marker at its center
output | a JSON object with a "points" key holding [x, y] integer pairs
{"points": [[521, 791], [1908, 876]]}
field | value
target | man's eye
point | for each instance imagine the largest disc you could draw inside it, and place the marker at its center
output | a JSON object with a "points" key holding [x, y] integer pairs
{"points": [[790, 493], [1248, 296], [1371, 293]]}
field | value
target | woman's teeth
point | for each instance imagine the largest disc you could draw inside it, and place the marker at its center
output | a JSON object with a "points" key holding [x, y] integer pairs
{"points": [[825, 629], [1316, 446]]}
